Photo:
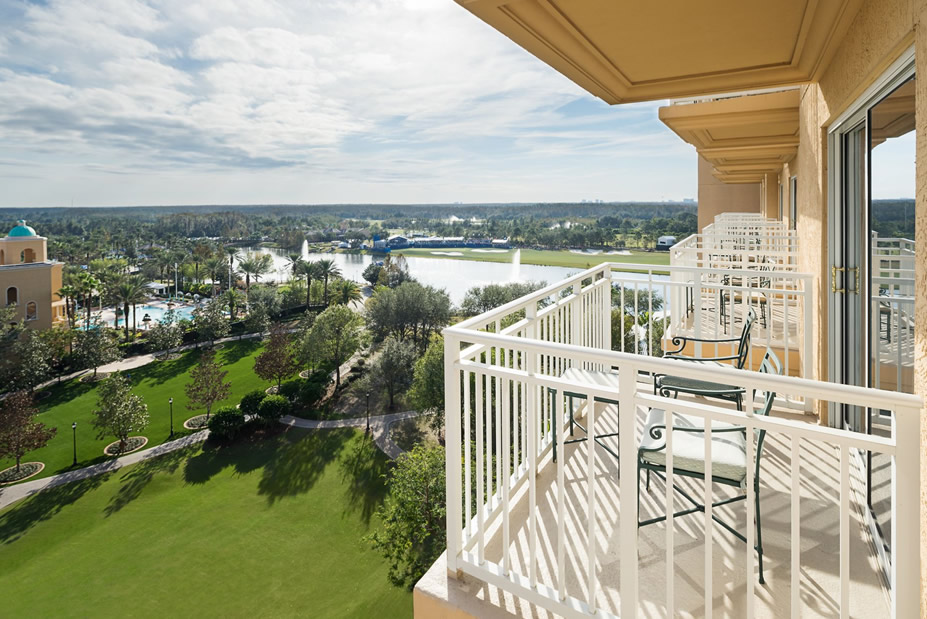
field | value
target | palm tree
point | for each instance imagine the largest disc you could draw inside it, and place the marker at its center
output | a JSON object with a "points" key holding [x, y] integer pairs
{"points": [[87, 285], [232, 253], [129, 290], [69, 293], [293, 262], [309, 269], [327, 269], [254, 265], [347, 291], [215, 269]]}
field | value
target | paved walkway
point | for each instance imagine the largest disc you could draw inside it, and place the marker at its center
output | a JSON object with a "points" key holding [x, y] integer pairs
{"points": [[379, 427], [11, 494], [130, 363]]}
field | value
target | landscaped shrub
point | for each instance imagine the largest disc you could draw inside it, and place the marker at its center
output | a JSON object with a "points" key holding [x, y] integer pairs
{"points": [[226, 424], [312, 391], [291, 389], [250, 402], [273, 408]]}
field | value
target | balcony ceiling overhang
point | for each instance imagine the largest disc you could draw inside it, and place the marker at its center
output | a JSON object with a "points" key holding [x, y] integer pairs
{"points": [[623, 51], [743, 137]]}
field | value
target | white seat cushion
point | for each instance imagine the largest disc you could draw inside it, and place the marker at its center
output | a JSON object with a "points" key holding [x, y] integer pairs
{"points": [[728, 449], [590, 377]]}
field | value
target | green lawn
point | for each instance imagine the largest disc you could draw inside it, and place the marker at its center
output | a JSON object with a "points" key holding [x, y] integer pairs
{"points": [[545, 257], [156, 382], [266, 528]]}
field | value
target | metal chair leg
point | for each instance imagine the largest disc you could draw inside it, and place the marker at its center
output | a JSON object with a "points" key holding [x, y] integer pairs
{"points": [[759, 530]]}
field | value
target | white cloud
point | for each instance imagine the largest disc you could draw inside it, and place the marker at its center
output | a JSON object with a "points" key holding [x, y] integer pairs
{"points": [[322, 101]]}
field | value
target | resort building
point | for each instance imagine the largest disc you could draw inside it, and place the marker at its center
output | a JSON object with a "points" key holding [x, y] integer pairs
{"points": [[791, 483], [30, 281]]}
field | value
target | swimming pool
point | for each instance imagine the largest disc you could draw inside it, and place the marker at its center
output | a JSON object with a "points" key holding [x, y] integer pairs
{"points": [[156, 313]]}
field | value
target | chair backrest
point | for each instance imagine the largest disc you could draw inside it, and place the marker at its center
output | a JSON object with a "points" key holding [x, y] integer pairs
{"points": [[743, 347], [770, 365]]}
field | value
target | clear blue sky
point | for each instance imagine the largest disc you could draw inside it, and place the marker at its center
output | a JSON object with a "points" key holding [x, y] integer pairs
{"points": [[116, 102]]}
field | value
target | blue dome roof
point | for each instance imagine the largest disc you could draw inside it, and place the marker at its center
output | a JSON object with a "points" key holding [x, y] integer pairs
{"points": [[22, 230]]}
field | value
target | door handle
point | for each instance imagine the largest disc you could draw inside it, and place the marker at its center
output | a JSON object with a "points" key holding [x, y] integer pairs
{"points": [[833, 279], [856, 271]]}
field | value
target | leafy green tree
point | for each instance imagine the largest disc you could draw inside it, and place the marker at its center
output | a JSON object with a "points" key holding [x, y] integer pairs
{"points": [[20, 432], [210, 321], [412, 533], [95, 346], [277, 361], [480, 299], [334, 337], [427, 391], [207, 388], [409, 310], [392, 370], [371, 273], [164, 336], [33, 361], [119, 411]]}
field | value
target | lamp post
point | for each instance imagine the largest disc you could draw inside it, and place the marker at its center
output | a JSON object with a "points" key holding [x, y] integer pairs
{"points": [[171, 402], [368, 412], [74, 431], [147, 320]]}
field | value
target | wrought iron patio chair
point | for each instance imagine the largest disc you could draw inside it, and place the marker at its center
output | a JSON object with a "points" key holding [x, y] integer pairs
{"points": [[671, 386], [728, 457]]}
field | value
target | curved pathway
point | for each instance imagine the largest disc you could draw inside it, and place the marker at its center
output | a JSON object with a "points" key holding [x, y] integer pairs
{"points": [[379, 427], [11, 494]]}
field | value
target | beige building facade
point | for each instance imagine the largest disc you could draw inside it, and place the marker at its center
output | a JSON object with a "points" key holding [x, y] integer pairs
{"points": [[29, 281], [787, 105]]}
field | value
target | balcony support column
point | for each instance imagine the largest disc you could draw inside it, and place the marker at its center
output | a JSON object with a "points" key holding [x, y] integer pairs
{"points": [[453, 455]]}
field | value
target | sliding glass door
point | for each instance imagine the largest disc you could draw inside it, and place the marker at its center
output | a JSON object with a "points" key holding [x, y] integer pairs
{"points": [[872, 273]]}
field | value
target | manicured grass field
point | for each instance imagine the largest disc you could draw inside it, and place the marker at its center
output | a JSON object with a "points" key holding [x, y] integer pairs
{"points": [[544, 257], [156, 382], [266, 528]]}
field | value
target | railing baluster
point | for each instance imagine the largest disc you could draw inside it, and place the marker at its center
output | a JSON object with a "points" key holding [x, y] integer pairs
{"points": [[796, 528], [468, 473], [844, 532], [507, 477], [480, 457], [709, 525], [670, 522], [561, 507], [592, 581]]}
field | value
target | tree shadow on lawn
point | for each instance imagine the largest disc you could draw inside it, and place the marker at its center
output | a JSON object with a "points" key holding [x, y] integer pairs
{"points": [[159, 372], [256, 449], [134, 480], [296, 467], [44, 505], [363, 470], [64, 392], [234, 352], [408, 433]]}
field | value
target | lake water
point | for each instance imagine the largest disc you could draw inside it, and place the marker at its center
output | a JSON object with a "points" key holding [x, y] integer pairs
{"points": [[454, 276]]}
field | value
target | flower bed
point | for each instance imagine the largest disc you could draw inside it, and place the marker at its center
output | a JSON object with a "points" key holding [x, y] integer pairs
{"points": [[26, 470], [133, 443]]}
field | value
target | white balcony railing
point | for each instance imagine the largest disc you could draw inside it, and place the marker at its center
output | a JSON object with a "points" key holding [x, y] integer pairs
{"points": [[562, 533]]}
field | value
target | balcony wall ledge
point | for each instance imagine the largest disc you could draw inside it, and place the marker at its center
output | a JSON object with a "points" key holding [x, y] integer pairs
{"points": [[438, 595]]}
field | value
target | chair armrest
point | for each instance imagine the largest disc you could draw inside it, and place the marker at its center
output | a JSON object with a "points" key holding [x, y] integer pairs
{"points": [[681, 340], [657, 431], [685, 358]]}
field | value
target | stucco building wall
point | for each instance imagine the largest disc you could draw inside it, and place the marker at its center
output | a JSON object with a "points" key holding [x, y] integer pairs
{"points": [[880, 33], [715, 197]]}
